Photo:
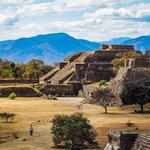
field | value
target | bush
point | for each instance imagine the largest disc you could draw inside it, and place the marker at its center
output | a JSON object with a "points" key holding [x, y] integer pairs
{"points": [[6, 116], [54, 98], [129, 123], [102, 83], [74, 131], [12, 96], [51, 97]]}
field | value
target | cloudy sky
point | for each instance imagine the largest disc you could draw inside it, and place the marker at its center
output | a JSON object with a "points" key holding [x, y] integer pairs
{"points": [[95, 20]]}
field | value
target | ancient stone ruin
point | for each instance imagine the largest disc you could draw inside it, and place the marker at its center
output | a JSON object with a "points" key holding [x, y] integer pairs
{"points": [[128, 141], [135, 69], [82, 68]]}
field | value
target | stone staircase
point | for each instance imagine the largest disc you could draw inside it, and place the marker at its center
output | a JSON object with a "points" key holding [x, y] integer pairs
{"points": [[49, 75], [66, 72], [116, 84], [83, 56], [122, 73], [142, 142], [63, 74], [60, 76], [73, 57]]}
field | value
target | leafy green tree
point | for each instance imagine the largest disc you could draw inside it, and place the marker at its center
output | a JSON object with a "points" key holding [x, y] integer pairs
{"points": [[7, 116], [136, 93], [32, 70], [5, 69], [12, 66], [17, 72], [6, 73], [73, 130]]}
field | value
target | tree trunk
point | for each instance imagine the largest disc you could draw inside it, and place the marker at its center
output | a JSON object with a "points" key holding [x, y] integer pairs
{"points": [[142, 108], [6, 119], [105, 109]]}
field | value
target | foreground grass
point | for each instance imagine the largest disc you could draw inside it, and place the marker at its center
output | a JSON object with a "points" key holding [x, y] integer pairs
{"points": [[39, 112]]}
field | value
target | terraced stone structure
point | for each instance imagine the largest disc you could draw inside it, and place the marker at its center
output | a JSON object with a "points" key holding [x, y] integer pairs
{"points": [[135, 70], [82, 68], [129, 140]]}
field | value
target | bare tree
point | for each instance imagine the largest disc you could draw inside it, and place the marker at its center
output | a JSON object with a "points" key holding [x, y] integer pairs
{"points": [[102, 97]]}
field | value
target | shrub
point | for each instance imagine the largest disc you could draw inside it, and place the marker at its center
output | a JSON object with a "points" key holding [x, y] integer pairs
{"points": [[102, 83], [54, 98], [51, 97], [6, 116], [12, 96], [129, 123], [74, 131]]}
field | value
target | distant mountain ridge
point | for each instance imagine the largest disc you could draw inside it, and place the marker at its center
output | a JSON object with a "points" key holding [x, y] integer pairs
{"points": [[116, 40], [55, 47]]}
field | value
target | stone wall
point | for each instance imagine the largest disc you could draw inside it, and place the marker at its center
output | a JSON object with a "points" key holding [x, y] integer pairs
{"points": [[129, 74], [121, 47], [20, 91], [142, 142], [60, 89], [20, 81], [137, 62], [117, 47], [122, 140], [129, 140]]}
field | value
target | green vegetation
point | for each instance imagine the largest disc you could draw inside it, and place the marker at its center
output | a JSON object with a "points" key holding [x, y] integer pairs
{"points": [[136, 93], [32, 70], [12, 96], [51, 97], [102, 83], [74, 131], [7, 116], [119, 62]]}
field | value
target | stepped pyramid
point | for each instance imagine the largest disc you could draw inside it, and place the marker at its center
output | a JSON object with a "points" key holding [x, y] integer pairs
{"points": [[82, 68]]}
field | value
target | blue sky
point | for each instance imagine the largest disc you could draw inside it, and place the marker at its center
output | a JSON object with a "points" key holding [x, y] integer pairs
{"points": [[95, 20]]}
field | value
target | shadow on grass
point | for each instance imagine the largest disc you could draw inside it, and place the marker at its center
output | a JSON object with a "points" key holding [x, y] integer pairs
{"points": [[59, 147], [90, 147], [139, 112], [113, 113], [10, 122]]}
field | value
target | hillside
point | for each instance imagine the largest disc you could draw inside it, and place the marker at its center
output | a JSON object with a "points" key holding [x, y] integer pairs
{"points": [[50, 48], [141, 43]]}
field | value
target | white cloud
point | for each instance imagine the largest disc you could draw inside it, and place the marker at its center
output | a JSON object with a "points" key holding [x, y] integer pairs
{"points": [[133, 11], [111, 18], [7, 19]]}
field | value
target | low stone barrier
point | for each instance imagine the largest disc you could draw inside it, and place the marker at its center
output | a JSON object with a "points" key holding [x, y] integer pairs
{"points": [[59, 90], [5, 81], [20, 92]]}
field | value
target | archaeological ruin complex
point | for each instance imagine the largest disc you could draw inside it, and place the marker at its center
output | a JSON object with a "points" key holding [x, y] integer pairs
{"points": [[81, 68]]}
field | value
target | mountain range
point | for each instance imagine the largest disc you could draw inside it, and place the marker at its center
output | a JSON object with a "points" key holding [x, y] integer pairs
{"points": [[55, 47]]}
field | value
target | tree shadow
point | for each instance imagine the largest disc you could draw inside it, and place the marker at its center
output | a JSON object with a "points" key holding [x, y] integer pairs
{"points": [[139, 112], [113, 113], [10, 122], [58, 147]]}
